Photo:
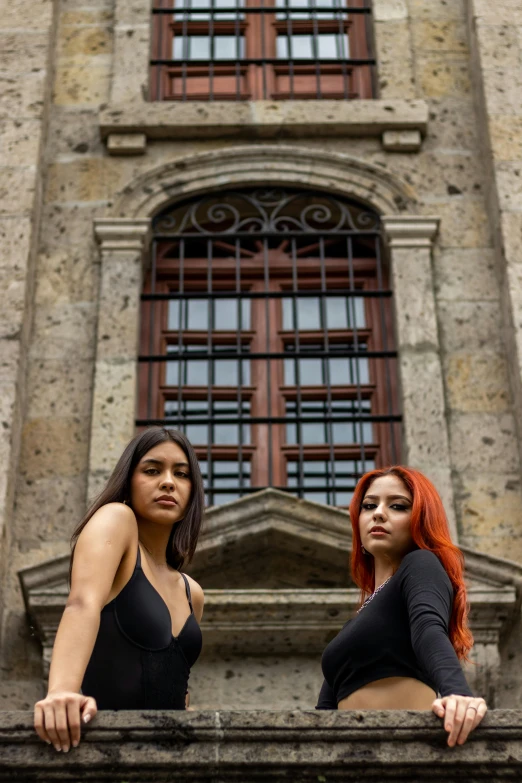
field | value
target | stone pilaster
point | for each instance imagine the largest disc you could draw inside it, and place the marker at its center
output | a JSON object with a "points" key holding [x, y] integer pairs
{"points": [[26, 43], [496, 66], [425, 432], [122, 245]]}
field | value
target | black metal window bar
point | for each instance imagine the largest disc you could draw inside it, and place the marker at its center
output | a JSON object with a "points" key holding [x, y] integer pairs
{"points": [[266, 49], [267, 338]]}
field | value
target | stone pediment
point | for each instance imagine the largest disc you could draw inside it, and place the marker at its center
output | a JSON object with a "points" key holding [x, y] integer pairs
{"points": [[275, 573]]}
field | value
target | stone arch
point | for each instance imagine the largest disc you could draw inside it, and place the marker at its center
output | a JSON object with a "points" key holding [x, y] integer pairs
{"points": [[264, 164]]}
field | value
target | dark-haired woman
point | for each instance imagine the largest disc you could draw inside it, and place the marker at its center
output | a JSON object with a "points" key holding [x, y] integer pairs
{"points": [[402, 649], [130, 630]]}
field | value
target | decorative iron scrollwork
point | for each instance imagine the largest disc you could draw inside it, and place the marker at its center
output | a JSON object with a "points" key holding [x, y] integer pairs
{"points": [[267, 210]]}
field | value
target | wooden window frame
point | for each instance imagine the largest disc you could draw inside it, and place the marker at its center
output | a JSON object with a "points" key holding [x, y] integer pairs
{"points": [[260, 74]]}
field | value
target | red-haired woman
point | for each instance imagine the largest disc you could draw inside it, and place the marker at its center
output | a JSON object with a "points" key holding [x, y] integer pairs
{"points": [[402, 649]]}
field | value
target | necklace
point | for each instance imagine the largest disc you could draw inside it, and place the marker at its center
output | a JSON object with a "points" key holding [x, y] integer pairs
{"points": [[372, 596], [150, 553]]}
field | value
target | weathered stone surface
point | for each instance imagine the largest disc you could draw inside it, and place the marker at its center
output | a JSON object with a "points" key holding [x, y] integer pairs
{"points": [[81, 84], [473, 326], [266, 118], [113, 412], [477, 383], [464, 275], [505, 133], [452, 124], [64, 330], [401, 141], [59, 387], [390, 10], [19, 141], [83, 179], [480, 441], [504, 9], [272, 746], [63, 499], [78, 43], [126, 144], [442, 76], [67, 275], [463, 223], [413, 286], [54, 447], [437, 9], [17, 189], [28, 47], [12, 284], [437, 35], [396, 77]]}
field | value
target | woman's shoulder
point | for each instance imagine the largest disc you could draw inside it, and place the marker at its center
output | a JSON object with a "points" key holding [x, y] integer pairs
{"points": [[197, 595], [423, 563], [115, 518]]}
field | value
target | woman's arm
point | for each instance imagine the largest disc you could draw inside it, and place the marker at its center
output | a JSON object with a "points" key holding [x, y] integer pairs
{"points": [[98, 554], [428, 593], [326, 700]]}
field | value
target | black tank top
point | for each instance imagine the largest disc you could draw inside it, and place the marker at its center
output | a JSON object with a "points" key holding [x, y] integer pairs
{"points": [[136, 663]]}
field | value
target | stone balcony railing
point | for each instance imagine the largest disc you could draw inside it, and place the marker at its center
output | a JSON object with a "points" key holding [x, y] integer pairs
{"points": [[268, 746]]}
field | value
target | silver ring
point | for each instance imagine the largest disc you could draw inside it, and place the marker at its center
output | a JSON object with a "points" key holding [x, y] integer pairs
{"points": [[471, 707]]}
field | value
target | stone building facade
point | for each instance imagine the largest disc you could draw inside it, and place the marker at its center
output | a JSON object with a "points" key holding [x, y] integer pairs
{"points": [[88, 162]]}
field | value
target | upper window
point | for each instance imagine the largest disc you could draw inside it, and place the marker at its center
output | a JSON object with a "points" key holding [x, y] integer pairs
{"points": [[267, 338], [252, 49]]}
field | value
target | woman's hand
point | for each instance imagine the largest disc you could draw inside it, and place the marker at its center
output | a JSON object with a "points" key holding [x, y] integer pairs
{"points": [[461, 715], [58, 718]]}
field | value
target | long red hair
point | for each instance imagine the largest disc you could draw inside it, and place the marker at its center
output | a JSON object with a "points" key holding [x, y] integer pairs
{"points": [[429, 530]]}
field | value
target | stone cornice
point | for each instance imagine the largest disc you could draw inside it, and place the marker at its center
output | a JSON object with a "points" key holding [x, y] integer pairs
{"points": [[410, 231], [122, 234], [247, 746], [262, 119]]}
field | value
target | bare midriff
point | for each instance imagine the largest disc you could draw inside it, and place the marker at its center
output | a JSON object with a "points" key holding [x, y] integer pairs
{"points": [[390, 693]]}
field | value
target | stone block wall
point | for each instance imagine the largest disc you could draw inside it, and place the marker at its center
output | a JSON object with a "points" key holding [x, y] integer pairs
{"points": [[423, 54]]}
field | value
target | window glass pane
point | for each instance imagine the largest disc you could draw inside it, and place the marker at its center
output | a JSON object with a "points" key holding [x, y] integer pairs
{"points": [[193, 47], [245, 313], [196, 373], [197, 433], [289, 4], [197, 314], [328, 46], [349, 371], [352, 433], [226, 434], [227, 4], [288, 314], [226, 47], [289, 367], [336, 314], [310, 372], [226, 314], [308, 314], [173, 314], [313, 433], [301, 47], [193, 4]]}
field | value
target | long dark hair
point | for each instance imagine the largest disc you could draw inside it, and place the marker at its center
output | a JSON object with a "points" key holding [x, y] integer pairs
{"points": [[184, 536]]}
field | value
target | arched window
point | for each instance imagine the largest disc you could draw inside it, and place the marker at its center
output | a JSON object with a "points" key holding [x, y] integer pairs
{"points": [[267, 337], [251, 49]]}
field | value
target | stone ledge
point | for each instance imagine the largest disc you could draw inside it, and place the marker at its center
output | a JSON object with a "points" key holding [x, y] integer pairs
{"points": [[266, 746], [260, 119]]}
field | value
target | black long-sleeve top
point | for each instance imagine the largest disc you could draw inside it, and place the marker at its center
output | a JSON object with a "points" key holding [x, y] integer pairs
{"points": [[402, 632]]}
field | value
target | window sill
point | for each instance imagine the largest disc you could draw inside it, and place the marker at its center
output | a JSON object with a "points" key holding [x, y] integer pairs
{"points": [[401, 124]]}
